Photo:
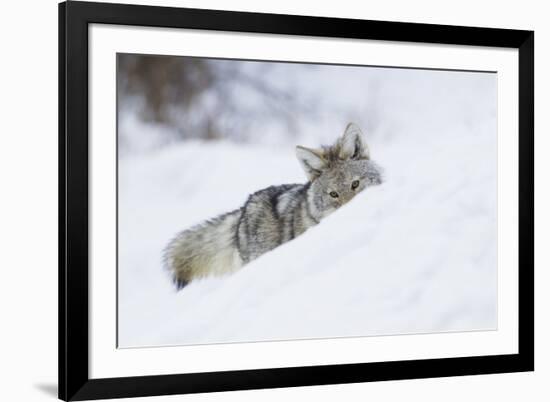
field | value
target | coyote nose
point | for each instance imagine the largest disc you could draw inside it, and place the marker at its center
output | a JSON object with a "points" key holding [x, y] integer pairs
{"points": [[345, 199]]}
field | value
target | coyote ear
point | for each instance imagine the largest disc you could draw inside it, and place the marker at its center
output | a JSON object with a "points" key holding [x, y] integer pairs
{"points": [[352, 145], [312, 161]]}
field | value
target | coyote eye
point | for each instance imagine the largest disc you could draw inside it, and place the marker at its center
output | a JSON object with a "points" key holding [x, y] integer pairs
{"points": [[333, 194], [354, 184]]}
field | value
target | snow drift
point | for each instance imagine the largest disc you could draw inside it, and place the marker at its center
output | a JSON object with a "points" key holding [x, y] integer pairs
{"points": [[416, 254]]}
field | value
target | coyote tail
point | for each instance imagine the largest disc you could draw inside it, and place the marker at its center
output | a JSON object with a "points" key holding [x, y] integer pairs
{"points": [[204, 250]]}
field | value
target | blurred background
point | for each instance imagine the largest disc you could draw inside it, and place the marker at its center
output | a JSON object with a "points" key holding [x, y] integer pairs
{"points": [[183, 98], [167, 99]]}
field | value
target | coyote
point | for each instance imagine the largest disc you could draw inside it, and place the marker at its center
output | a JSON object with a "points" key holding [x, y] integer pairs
{"points": [[276, 214]]}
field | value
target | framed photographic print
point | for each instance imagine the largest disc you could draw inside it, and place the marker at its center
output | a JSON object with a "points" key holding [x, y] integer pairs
{"points": [[257, 200]]}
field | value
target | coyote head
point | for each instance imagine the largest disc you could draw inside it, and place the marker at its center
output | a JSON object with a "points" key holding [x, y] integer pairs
{"points": [[339, 172]]}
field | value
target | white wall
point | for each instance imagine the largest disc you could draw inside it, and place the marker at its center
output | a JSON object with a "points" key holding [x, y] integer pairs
{"points": [[28, 213]]}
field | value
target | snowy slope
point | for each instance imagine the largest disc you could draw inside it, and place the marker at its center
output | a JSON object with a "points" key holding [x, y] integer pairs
{"points": [[416, 254]]}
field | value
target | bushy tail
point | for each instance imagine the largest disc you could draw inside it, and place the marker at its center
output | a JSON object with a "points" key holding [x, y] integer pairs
{"points": [[204, 250]]}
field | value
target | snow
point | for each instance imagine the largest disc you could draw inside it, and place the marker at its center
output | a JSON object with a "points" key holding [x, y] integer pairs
{"points": [[417, 254]]}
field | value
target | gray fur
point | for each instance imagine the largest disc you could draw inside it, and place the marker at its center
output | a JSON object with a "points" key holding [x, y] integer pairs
{"points": [[275, 215]]}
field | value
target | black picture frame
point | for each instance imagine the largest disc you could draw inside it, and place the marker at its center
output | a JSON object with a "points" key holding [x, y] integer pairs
{"points": [[74, 381]]}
